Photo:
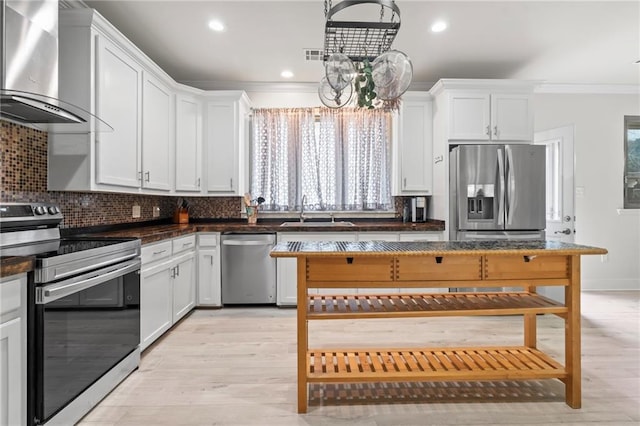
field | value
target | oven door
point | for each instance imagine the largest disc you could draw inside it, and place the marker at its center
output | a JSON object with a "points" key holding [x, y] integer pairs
{"points": [[83, 327]]}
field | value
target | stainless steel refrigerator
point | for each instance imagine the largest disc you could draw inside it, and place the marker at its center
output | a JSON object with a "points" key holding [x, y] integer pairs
{"points": [[497, 192]]}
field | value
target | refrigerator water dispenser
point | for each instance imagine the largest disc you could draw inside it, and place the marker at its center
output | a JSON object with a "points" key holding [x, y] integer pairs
{"points": [[480, 201]]}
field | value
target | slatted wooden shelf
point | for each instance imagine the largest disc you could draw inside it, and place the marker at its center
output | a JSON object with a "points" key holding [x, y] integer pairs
{"points": [[377, 365], [421, 305]]}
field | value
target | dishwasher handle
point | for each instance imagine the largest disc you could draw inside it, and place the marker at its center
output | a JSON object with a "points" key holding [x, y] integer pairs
{"points": [[247, 243]]}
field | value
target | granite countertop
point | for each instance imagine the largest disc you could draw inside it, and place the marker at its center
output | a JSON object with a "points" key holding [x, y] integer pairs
{"points": [[154, 233], [430, 248], [13, 265]]}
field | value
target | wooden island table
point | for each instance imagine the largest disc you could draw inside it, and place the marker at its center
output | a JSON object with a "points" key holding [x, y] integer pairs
{"points": [[479, 264]]}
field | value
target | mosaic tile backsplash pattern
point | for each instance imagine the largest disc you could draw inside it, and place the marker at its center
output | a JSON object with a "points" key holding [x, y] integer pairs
{"points": [[23, 178]]}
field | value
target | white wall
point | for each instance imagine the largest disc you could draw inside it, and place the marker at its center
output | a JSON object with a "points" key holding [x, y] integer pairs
{"points": [[278, 99], [599, 150]]}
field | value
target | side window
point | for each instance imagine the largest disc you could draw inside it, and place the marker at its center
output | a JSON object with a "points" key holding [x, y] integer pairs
{"points": [[632, 162]]}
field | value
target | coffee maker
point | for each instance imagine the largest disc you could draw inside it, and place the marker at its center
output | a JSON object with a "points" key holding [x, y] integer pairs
{"points": [[415, 209]]}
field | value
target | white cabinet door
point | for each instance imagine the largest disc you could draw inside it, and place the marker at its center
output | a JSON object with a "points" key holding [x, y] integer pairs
{"points": [[156, 302], [469, 116], [227, 143], [11, 367], [118, 102], [415, 145], [486, 116], [287, 272], [222, 148], [184, 285], [209, 285], [511, 117], [157, 139], [188, 144]]}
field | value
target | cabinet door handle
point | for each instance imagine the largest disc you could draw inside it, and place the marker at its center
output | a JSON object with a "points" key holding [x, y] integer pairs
{"points": [[140, 176], [495, 131], [231, 183], [488, 132], [186, 244], [198, 183], [173, 272], [178, 270], [211, 256], [159, 252], [146, 176], [404, 183]]}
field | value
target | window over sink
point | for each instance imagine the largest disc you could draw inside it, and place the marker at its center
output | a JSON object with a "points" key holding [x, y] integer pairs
{"points": [[338, 160]]}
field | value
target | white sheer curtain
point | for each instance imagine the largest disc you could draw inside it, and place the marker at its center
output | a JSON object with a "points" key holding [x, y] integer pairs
{"points": [[339, 159]]}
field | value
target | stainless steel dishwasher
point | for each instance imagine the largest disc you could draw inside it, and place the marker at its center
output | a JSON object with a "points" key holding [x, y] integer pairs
{"points": [[248, 272]]}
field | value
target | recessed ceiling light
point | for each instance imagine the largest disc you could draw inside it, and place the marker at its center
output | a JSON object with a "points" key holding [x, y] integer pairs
{"points": [[216, 25], [286, 74], [439, 26]]}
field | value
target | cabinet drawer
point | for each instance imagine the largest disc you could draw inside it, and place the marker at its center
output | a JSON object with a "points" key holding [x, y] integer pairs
{"points": [[208, 240], [157, 251], [350, 269], [526, 267], [439, 268], [183, 243]]}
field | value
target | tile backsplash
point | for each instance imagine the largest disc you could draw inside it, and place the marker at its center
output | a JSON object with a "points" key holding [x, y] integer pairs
{"points": [[23, 178]]}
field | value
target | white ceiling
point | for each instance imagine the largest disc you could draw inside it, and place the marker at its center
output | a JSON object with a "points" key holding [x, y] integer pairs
{"points": [[565, 42]]}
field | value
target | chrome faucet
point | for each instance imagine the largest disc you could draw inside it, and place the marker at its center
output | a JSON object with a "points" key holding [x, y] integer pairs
{"points": [[304, 200]]}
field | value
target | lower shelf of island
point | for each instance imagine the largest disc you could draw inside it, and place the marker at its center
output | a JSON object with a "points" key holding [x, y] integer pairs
{"points": [[425, 305], [431, 364]]}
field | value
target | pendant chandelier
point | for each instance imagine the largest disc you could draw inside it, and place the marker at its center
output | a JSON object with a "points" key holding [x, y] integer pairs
{"points": [[360, 66]]}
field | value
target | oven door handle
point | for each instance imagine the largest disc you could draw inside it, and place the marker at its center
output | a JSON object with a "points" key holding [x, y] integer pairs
{"points": [[51, 292]]}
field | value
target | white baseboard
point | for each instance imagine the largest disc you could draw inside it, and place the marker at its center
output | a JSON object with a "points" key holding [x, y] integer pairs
{"points": [[610, 284]]}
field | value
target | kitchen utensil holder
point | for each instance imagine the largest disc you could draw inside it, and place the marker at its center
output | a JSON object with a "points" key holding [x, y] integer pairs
{"points": [[252, 214], [181, 215]]}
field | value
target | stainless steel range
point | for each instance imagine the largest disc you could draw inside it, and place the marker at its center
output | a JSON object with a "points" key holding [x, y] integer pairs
{"points": [[83, 313]]}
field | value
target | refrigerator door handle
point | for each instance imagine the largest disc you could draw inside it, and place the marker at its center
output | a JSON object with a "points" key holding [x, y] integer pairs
{"points": [[501, 200], [511, 181]]}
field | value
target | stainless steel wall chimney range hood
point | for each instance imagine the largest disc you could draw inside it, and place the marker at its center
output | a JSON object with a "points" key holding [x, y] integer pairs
{"points": [[29, 69]]}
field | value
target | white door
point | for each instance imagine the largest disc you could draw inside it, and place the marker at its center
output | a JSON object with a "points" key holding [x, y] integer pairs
{"points": [[222, 147], [118, 103], [560, 182], [157, 120], [560, 191], [188, 143]]}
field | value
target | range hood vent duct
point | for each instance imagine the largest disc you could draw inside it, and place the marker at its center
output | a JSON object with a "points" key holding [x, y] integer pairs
{"points": [[29, 70]]}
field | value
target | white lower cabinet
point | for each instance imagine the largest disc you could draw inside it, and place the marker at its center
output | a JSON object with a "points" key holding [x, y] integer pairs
{"points": [[13, 350], [184, 285], [167, 286], [156, 302], [286, 269], [209, 284]]}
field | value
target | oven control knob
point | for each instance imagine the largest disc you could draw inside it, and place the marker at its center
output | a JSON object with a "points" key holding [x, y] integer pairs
{"points": [[53, 210], [40, 210]]}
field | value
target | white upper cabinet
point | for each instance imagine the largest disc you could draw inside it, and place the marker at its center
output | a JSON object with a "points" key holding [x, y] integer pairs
{"points": [[415, 145], [157, 133], [227, 143], [484, 116], [188, 144], [118, 102], [104, 73], [475, 110]]}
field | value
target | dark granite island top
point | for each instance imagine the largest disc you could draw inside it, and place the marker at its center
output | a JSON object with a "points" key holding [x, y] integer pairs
{"points": [[431, 248]]}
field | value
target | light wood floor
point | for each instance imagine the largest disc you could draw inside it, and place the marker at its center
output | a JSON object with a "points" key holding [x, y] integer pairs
{"points": [[237, 366]]}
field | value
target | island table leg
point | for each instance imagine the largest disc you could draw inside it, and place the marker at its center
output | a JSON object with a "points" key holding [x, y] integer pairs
{"points": [[572, 341], [530, 325], [302, 334]]}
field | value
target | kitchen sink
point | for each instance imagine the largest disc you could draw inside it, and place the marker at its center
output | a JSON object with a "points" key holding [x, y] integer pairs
{"points": [[318, 224]]}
